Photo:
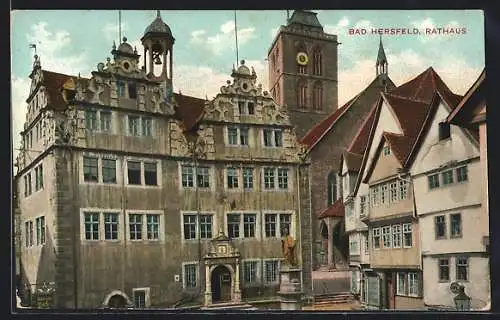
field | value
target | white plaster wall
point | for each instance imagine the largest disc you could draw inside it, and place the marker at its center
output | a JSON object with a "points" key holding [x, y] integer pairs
{"points": [[438, 293], [474, 227], [355, 237]]}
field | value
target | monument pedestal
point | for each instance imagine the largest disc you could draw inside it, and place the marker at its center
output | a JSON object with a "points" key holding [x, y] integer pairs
{"points": [[290, 288]]}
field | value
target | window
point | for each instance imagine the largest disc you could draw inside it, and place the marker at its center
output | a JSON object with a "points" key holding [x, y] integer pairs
{"points": [[248, 178], [462, 174], [133, 125], [376, 238], [244, 136], [135, 225], [403, 189], [413, 284], [386, 237], [396, 236], [232, 136], [433, 181], [447, 177], [268, 178], [105, 121], [362, 205], [367, 244], [375, 197], [31, 233], [384, 194], [394, 191], [251, 108], [147, 127], [250, 272], [140, 298], [249, 222], [110, 226], [189, 227], [283, 178], [91, 225], [444, 269], [387, 150], [268, 138], [271, 271], [317, 63], [348, 210], [317, 95], [134, 172], [152, 226], [203, 177], [190, 276], [91, 120], [233, 225], [301, 69], [39, 177], [440, 227], [40, 231], [108, 171], [354, 281], [407, 235], [332, 187], [353, 246], [270, 225], [456, 225], [462, 268], [206, 226], [120, 88], [232, 178], [241, 107], [132, 90], [150, 176], [27, 233], [285, 223], [401, 283], [278, 138], [444, 131], [90, 169], [187, 176]]}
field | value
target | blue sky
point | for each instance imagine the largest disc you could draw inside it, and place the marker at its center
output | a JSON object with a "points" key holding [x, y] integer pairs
{"points": [[75, 41]]}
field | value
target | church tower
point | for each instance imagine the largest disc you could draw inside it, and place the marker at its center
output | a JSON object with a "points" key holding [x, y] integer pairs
{"points": [[303, 70], [158, 44], [381, 66]]}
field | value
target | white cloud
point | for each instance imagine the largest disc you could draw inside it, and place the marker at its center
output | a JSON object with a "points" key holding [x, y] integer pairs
{"points": [[224, 40], [111, 32], [339, 28]]}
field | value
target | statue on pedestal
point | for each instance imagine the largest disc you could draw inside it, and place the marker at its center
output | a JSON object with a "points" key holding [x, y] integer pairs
{"points": [[288, 244]]}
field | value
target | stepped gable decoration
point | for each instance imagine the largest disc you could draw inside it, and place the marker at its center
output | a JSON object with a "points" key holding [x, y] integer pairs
{"points": [[225, 105]]}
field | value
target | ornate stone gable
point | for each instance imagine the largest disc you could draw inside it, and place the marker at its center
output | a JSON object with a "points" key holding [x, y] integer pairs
{"points": [[204, 147]]}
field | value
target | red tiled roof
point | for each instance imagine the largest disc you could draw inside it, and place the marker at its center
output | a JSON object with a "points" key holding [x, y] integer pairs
{"points": [[352, 160], [360, 142], [470, 100], [190, 110], [336, 209], [53, 83], [319, 129]]}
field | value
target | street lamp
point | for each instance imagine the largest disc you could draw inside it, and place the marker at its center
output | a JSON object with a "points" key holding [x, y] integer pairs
{"points": [[462, 301]]}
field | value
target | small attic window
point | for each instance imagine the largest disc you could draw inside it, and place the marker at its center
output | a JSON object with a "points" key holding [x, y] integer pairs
{"points": [[444, 130], [250, 107], [387, 150]]}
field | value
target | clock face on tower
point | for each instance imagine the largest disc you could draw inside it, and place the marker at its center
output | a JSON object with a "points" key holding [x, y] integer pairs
{"points": [[302, 58]]}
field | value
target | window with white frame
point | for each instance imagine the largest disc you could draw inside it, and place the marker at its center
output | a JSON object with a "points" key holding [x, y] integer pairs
{"points": [[133, 125], [403, 189], [147, 126], [353, 245], [187, 173], [455, 225], [393, 191], [188, 178], [27, 234], [376, 238], [273, 137], [407, 235], [283, 178], [105, 121], [285, 223], [462, 174], [462, 268], [249, 225], [111, 225], [139, 298], [135, 226], [134, 172], [150, 173], [190, 271], [270, 224], [271, 268], [206, 226], [447, 177], [233, 225], [120, 88], [384, 194], [152, 226], [269, 178], [189, 223], [367, 244], [386, 237], [244, 134], [143, 226], [401, 283], [232, 136], [444, 269], [396, 236], [374, 195], [250, 272], [91, 225], [30, 223], [232, 178], [433, 181], [276, 178], [40, 230], [142, 172], [27, 184], [440, 226], [91, 120], [203, 177], [248, 178], [413, 284], [90, 169]]}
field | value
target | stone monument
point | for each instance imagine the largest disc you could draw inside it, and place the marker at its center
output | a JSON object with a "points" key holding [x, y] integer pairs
{"points": [[290, 290]]}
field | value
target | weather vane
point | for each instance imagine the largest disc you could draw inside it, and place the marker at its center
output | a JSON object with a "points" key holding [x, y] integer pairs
{"points": [[33, 46]]}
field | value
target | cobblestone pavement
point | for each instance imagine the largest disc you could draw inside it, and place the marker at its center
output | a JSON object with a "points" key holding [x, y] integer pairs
{"points": [[333, 306]]}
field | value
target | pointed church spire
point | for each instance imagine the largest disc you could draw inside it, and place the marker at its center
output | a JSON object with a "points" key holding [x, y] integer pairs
{"points": [[381, 64]]}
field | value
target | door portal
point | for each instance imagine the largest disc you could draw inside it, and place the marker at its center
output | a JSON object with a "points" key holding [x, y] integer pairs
{"points": [[221, 284]]}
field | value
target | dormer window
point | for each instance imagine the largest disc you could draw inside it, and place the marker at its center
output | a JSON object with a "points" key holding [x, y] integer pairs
{"points": [[444, 131]]}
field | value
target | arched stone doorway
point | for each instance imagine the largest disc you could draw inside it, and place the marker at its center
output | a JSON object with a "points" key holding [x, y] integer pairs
{"points": [[221, 281], [324, 243], [116, 299]]}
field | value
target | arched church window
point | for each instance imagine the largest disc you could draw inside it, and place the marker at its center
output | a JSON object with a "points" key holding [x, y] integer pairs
{"points": [[332, 187], [318, 95], [317, 62], [301, 93]]}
